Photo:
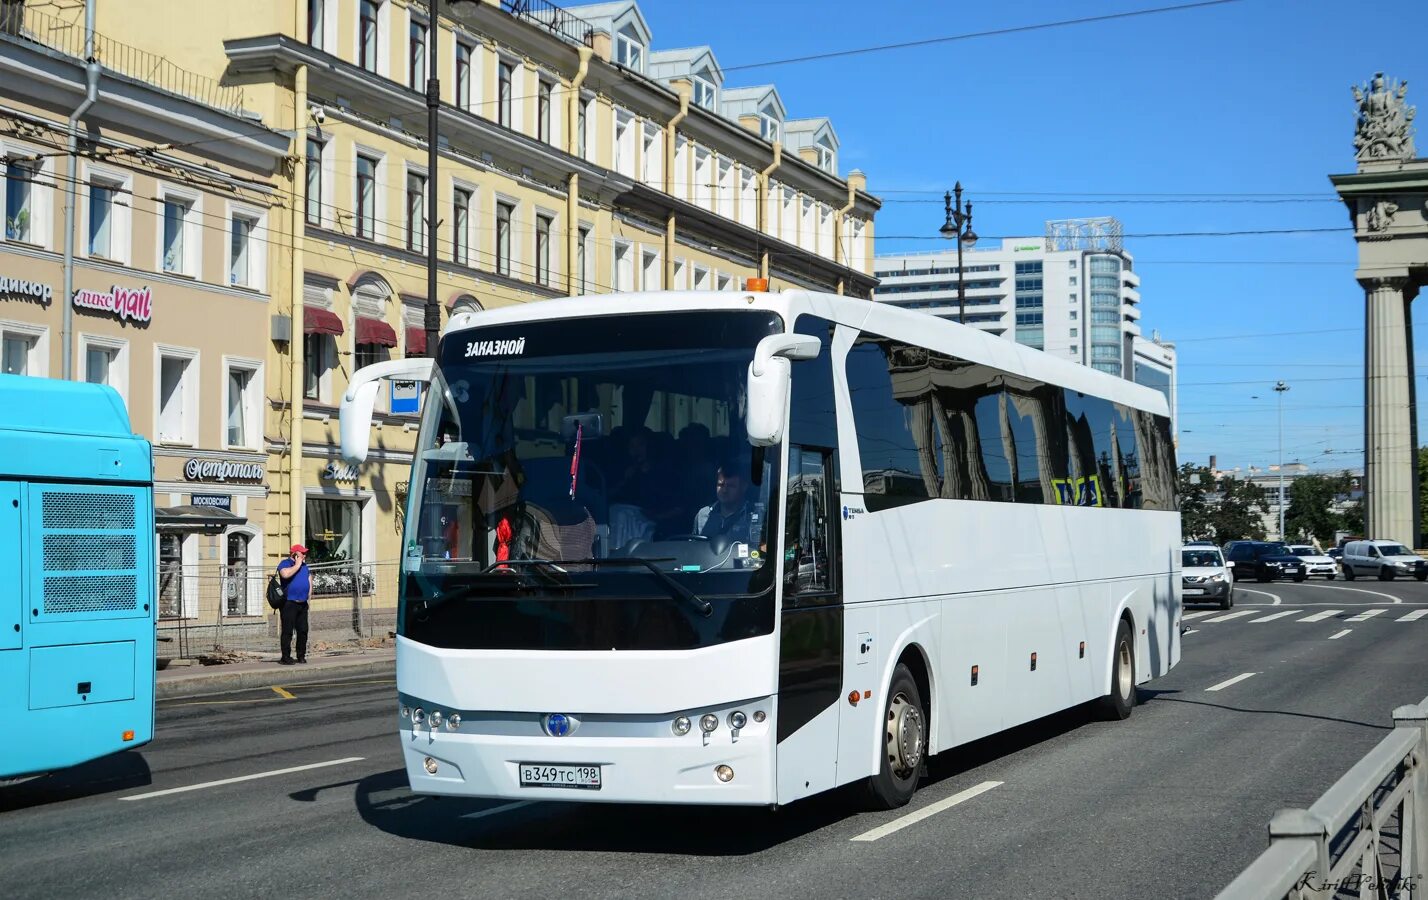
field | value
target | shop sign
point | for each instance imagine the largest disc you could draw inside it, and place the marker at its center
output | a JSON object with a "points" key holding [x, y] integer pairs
{"points": [[23, 289], [223, 470], [406, 397], [123, 303], [335, 471], [213, 501]]}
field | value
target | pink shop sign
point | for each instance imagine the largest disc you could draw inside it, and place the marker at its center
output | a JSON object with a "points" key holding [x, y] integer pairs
{"points": [[134, 304]]}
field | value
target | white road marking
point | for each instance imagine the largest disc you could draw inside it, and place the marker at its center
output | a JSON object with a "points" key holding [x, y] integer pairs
{"points": [[1333, 587], [1236, 680], [1274, 597], [1413, 616], [1191, 631], [1365, 615], [1234, 615], [496, 810], [931, 809], [223, 781], [1320, 616], [1278, 615], [1195, 615], [1335, 637]]}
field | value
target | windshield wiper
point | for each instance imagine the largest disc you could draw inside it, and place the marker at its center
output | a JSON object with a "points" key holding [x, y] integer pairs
{"points": [[677, 590]]}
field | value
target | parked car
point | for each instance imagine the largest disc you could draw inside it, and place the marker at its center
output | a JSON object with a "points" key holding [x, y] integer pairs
{"points": [[1386, 559], [1335, 553], [1264, 561], [1204, 576], [1315, 563], [1199, 543]]}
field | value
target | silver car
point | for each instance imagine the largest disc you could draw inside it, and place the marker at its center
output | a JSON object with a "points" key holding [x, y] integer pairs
{"points": [[1205, 577]]}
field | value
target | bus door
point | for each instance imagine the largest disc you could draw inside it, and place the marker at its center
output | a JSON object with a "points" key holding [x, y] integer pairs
{"points": [[12, 608]]}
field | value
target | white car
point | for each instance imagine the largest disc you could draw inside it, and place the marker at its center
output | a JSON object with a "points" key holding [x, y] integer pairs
{"points": [[1205, 577], [1315, 563]]}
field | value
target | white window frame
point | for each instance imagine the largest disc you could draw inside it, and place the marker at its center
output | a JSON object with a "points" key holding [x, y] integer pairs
{"points": [[770, 126], [705, 86], [473, 253], [650, 264], [586, 268], [701, 280], [629, 50], [623, 141], [552, 112], [513, 257], [118, 364], [727, 190], [121, 235], [417, 79], [257, 247], [253, 409], [383, 52], [41, 197], [472, 101], [552, 247], [379, 194], [682, 149], [652, 154], [518, 97], [681, 276], [622, 266], [723, 281], [328, 38], [748, 197], [190, 412], [192, 263], [591, 129], [415, 241], [37, 362], [329, 363], [704, 191]]}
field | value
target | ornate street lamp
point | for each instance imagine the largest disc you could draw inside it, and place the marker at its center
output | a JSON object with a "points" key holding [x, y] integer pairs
{"points": [[958, 227]]}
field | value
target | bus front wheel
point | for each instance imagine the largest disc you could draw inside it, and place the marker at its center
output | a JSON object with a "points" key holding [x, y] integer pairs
{"points": [[1119, 702], [904, 744]]}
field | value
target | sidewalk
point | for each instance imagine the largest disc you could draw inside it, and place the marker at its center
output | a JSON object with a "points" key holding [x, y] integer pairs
{"points": [[193, 681]]}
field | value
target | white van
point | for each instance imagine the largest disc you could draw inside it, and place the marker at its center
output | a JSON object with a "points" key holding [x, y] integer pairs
{"points": [[1386, 559]]}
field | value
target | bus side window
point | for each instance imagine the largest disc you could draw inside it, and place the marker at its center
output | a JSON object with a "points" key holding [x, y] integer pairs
{"points": [[808, 564]]}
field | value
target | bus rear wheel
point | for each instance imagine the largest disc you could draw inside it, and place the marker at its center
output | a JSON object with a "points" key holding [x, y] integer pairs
{"points": [[1121, 700], [904, 744]]}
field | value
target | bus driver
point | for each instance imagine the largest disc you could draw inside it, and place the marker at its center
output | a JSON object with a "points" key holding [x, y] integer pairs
{"points": [[732, 515]]}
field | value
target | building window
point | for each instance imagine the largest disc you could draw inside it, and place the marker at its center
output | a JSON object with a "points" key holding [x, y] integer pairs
{"points": [[333, 531], [367, 38], [652, 167], [170, 575], [704, 95], [505, 72], [99, 364], [102, 241], [629, 51], [723, 282], [313, 202], [825, 157], [543, 111], [178, 213], [1072, 282], [622, 275], [624, 143], [416, 212], [370, 355], [582, 255], [237, 574], [504, 212], [1073, 315], [366, 197], [242, 417], [1073, 332], [701, 278], [650, 274], [315, 356], [461, 227], [176, 408], [582, 125], [18, 350], [416, 52], [464, 53], [542, 249], [768, 124], [20, 200], [316, 22], [243, 257]]}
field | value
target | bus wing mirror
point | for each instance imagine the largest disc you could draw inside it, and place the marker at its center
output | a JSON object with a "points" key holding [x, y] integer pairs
{"points": [[768, 384], [361, 396]]}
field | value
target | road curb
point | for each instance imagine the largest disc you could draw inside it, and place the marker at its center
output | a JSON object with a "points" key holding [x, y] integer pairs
{"points": [[217, 681]]}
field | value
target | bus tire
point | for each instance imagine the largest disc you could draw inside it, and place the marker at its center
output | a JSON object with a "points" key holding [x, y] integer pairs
{"points": [[904, 744], [1120, 701]]}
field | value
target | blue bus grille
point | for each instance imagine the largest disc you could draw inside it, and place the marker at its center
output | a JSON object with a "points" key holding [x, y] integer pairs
{"points": [[70, 552], [100, 512], [90, 593]]}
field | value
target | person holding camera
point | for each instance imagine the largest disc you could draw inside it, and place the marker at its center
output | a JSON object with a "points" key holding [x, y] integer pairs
{"points": [[297, 586]]}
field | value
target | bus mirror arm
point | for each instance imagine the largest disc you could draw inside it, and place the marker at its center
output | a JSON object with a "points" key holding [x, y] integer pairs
{"points": [[768, 384], [361, 396]]}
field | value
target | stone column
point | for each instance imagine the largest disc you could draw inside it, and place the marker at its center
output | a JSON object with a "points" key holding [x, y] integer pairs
{"points": [[1390, 485]]}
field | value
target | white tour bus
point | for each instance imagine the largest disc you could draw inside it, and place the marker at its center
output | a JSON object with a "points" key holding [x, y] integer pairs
{"points": [[745, 547]]}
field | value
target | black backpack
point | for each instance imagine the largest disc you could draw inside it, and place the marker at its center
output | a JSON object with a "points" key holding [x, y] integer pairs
{"points": [[277, 591]]}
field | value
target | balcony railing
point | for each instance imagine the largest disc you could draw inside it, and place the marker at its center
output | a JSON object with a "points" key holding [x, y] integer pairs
{"points": [[544, 14], [27, 25]]}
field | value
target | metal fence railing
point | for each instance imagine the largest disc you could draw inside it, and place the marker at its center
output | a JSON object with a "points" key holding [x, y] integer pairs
{"points": [[213, 613], [564, 25], [1367, 836], [26, 23]]}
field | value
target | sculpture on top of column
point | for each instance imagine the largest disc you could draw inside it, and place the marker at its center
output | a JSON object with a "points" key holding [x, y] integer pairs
{"points": [[1384, 130]]}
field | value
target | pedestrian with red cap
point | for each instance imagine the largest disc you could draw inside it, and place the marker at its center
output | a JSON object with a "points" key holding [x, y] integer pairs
{"points": [[297, 588]]}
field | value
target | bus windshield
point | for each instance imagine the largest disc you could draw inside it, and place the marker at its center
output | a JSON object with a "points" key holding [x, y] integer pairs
{"points": [[588, 484]]}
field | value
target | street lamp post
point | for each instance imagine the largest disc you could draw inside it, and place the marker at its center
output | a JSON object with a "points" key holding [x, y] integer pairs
{"points": [[958, 227], [1279, 389], [431, 323]]}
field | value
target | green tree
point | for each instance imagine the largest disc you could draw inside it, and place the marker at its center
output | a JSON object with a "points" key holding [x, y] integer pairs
{"points": [[1194, 489], [1311, 507], [1239, 513]]}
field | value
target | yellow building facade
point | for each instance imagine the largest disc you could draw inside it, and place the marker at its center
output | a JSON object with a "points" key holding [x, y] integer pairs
{"points": [[574, 158]]}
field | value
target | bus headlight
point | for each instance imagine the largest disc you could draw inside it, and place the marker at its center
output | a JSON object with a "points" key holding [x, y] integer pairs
{"points": [[708, 722], [680, 725], [405, 711], [436, 718], [454, 722], [737, 719], [418, 716]]}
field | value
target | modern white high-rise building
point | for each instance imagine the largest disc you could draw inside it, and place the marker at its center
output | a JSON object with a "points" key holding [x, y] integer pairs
{"points": [[1072, 292]]}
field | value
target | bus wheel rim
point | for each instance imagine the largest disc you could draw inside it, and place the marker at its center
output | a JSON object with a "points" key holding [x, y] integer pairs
{"points": [[1123, 668], [906, 736]]}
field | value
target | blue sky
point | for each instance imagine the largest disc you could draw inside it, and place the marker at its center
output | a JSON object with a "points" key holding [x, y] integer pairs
{"points": [[1248, 97]]}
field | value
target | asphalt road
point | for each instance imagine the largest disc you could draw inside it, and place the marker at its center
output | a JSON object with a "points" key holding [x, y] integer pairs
{"points": [[1170, 803]]}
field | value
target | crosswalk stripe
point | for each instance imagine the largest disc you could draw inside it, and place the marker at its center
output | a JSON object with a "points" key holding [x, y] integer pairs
{"points": [[1234, 615], [1195, 615], [1365, 615], [1278, 615], [1320, 616], [1413, 616]]}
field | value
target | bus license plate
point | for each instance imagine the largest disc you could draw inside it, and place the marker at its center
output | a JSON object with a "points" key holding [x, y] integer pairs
{"points": [[545, 775], [1192, 592]]}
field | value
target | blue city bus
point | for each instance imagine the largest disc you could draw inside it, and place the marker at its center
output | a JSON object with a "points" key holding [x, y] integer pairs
{"points": [[76, 577]]}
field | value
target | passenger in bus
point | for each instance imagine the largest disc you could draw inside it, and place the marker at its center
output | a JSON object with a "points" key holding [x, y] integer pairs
{"points": [[732, 514], [642, 505]]}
